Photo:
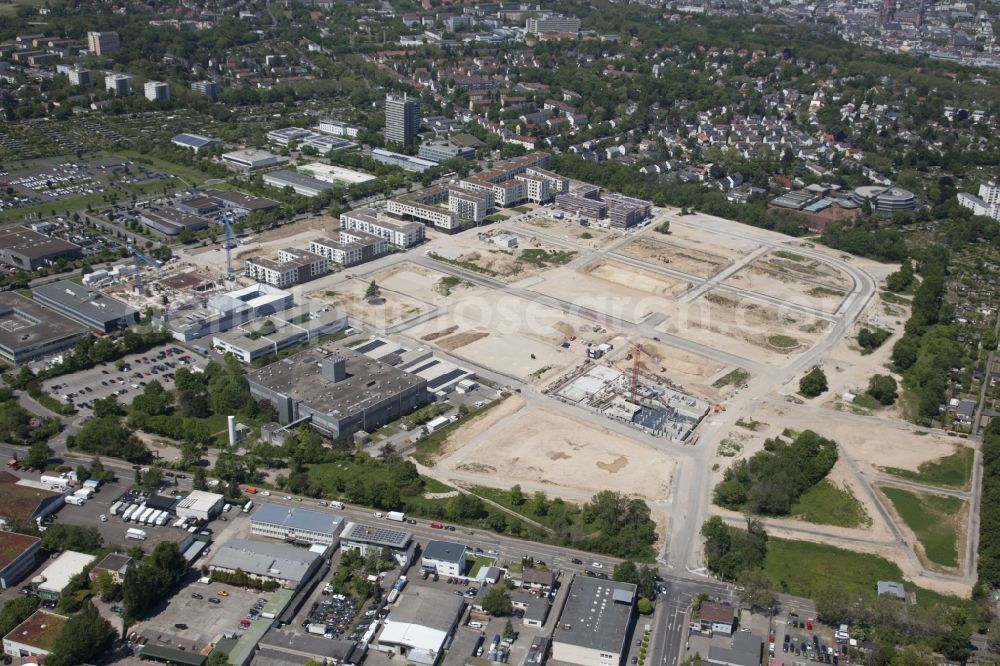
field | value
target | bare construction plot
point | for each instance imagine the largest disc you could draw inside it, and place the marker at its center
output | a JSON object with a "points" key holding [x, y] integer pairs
{"points": [[593, 236], [419, 282], [505, 264], [393, 307], [677, 257], [681, 368], [537, 447], [507, 334], [795, 278], [753, 330]]}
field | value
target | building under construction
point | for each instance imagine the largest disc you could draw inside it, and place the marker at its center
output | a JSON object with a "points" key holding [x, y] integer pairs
{"points": [[642, 400]]}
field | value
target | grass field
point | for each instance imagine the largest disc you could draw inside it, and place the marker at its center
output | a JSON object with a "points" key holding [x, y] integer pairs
{"points": [[932, 519], [952, 471], [806, 569], [826, 504]]}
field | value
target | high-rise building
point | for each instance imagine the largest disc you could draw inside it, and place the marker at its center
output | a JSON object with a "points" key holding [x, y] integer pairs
{"points": [[156, 90], [402, 118], [119, 84], [102, 43], [79, 77], [553, 23], [209, 89]]}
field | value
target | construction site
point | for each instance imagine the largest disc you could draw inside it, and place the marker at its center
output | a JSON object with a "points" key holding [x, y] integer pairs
{"points": [[641, 399]]}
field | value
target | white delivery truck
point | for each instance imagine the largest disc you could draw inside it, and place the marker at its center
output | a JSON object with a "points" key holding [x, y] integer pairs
{"points": [[162, 520], [116, 508], [398, 516], [337, 505], [144, 516], [151, 518], [73, 499], [129, 512], [85, 493], [132, 533]]}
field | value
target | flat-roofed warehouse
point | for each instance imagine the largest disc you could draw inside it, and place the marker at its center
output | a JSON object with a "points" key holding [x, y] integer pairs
{"points": [[87, 306], [290, 566], [30, 250], [341, 391], [594, 623], [28, 330], [296, 524]]}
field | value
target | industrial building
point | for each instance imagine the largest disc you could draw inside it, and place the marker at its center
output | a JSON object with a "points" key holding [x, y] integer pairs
{"points": [[19, 554], [29, 331], [745, 650], [368, 539], [56, 576], [170, 221], [200, 505], [402, 118], [296, 525], [195, 142], [338, 128], [339, 391], [444, 558], [307, 186], [595, 622], [352, 248], [239, 203], [406, 162], [291, 267], [287, 135], [398, 232], [30, 250], [420, 623], [290, 566], [33, 640], [441, 376], [222, 312], [251, 159], [439, 151], [331, 173], [87, 306], [289, 328]]}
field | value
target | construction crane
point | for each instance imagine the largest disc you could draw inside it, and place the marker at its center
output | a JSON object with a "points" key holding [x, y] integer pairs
{"points": [[229, 242], [138, 257], [637, 351]]}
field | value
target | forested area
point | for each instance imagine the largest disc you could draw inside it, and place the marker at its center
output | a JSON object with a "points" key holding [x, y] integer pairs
{"points": [[772, 480], [989, 514]]}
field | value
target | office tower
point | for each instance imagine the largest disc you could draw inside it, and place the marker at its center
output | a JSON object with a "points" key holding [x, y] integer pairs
{"points": [[402, 118]]}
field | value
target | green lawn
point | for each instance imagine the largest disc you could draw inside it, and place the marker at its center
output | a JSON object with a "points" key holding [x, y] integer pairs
{"points": [[826, 504], [478, 563], [737, 377], [931, 517], [952, 471], [804, 569], [543, 258]]}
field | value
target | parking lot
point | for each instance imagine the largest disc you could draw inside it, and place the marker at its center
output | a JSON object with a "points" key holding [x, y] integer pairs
{"points": [[191, 620], [84, 387], [803, 639]]}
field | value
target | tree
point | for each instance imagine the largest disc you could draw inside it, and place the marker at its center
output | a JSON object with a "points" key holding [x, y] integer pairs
{"points": [[60, 537], [38, 455], [813, 383], [85, 636], [200, 481], [105, 587], [517, 497], [626, 572], [497, 602], [883, 388], [16, 611], [756, 589], [646, 586], [373, 293], [644, 606]]}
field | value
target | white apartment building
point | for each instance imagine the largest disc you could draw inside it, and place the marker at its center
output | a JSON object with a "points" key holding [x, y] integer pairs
{"points": [[292, 267], [470, 204], [400, 233], [155, 90], [987, 203]]}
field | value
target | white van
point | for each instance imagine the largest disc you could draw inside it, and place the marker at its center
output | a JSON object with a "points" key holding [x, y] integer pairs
{"points": [[476, 625], [337, 505]]}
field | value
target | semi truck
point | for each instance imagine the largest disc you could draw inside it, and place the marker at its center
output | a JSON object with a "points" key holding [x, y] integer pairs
{"points": [[129, 512], [398, 516], [132, 533], [116, 508]]}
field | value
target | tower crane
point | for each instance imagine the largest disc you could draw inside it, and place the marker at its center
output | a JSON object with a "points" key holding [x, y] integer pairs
{"points": [[139, 258], [637, 351], [229, 242]]}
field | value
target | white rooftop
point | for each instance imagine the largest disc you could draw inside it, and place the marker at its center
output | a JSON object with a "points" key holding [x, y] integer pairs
{"points": [[200, 500], [58, 574]]}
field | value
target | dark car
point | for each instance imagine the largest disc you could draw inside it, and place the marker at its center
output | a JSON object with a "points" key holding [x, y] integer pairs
{"points": [[195, 595], [213, 600], [576, 560], [450, 528], [180, 625]]}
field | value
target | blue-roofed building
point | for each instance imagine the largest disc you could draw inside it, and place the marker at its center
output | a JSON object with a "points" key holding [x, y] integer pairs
{"points": [[195, 142], [296, 525]]}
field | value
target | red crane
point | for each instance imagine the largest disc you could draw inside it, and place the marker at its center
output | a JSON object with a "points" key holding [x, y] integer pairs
{"points": [[638, 350]]}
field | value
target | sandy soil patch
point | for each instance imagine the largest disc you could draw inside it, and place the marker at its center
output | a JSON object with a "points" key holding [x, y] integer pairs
{"points": [[349, 297], [418, 282], [540, 446], [677, 257], [474, 428], [753, 330], [636, 278], [480, 255], [713, 235], [595, 237], [811, 283], [617, 298], [509, 334]]}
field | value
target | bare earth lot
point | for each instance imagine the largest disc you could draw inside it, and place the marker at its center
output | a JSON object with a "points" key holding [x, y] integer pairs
{"points": [[537, 447], [804, 281], [593, 236], [686, 369], [677, 257]]}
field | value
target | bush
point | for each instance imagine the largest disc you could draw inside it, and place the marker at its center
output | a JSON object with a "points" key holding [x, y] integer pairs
{"points": [[645, 607], [813, 384], [883, 388], [872, 339]]}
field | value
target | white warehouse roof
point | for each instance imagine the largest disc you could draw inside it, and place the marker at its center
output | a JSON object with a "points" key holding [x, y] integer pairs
{"points": [[58, 574], [200, 500]]}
